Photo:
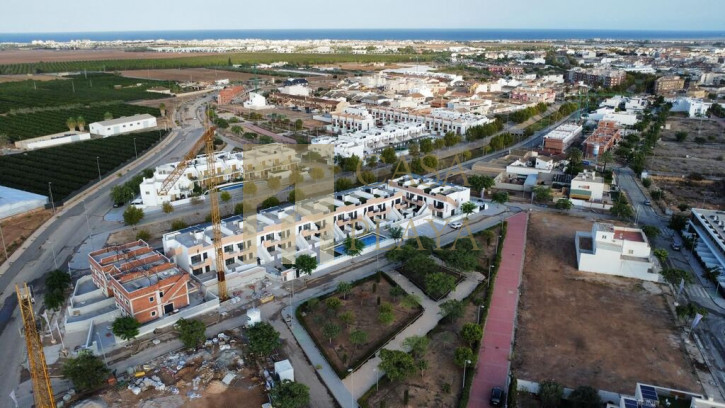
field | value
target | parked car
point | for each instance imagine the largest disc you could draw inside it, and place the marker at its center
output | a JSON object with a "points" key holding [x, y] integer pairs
{"points": [[496, 397], [676, 246], [455, 225], [647, 202]]}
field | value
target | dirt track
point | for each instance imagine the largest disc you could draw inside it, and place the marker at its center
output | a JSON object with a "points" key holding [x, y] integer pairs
{"points": [[28, 56], [586, 329]]}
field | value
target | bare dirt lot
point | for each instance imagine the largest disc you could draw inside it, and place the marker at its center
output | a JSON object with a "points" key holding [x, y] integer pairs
{"points": [[587, 329], [28, 56], [17, 229], [16, 78], [682, 158], [189, 74]]}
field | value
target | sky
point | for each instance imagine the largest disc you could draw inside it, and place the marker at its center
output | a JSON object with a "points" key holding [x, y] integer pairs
{"points": [[37, 16]]}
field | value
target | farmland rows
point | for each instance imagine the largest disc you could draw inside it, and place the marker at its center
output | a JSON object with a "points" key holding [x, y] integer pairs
{"points": [[83, 89], [72, 166], [203, 61], [29, 125]]}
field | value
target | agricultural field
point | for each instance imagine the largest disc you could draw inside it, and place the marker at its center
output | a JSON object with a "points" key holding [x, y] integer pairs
{"points": [[215, 60], [72, 166], [28, 125], [20, 97]]}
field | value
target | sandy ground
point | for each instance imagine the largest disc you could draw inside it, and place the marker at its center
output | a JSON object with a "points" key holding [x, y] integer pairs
{"points": [[189, 74], [16, 78], [587, 329], [16, 230], [27, 56], [681, 158]]}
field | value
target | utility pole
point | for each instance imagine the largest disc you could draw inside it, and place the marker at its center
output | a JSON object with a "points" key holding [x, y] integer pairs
{"points": [[50, 190], [98, 164], [2, 238]]}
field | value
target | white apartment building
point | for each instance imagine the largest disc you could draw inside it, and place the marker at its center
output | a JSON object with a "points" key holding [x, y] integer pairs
{"points": [[123, 125], [227, 165], [374, 140], [255, 101], [588, 186], [277, 235], [693, 107], [709, 227], [351, 119], [616, 251], [559, 139], [486, 87], [295, 89], [437, 121], [609, 114]]}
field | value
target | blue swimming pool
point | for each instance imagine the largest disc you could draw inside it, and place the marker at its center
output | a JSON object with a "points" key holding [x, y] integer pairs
{"points": [[369, 240], [231, 187]]}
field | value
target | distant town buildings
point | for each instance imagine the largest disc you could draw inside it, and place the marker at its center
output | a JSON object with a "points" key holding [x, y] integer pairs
{"points": [[667, 85], [606, 78]]}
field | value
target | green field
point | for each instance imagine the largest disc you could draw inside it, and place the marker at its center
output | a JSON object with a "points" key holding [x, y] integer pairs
{"points": [[205, 61], [71, 167], [81, 89], [28, 125]]}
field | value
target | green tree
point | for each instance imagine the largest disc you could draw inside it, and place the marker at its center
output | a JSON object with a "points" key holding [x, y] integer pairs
{"points": [[56, 284], [133, 215], [358, 338], [410, 301], [167, 207], [270, 202], [462, 355], [86, 371], [333, 303], [661, 254], [396, 233], [191, 332], [417, 345], [585, 397], [621, 209], [563, 204], [606, 158], [81, 122], [249, 188], [500, 197], [426, 146], [681, 136], [344, 289], [430, 162], [550, 393], [471, 333], [481, 183], [274, 183], [330, 331], [178, 224], [71, 123], [143, 235], [468, 208], [121, 194], [162, 108], [646, 182], [651, 232], [107, 116], [343, 184], [386, 317], [398, 365], [678, 222], [347, 318], [290, 394], [225, 196], [126, 327], [388, 155], [371, 160], [353, 246], [437, 284], [305, 264], [452, 309], [263, 339], [298, 124], [542, 194], [575, 158], [414, 149]]}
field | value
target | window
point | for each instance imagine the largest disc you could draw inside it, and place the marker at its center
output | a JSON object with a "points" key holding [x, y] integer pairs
{"points": [[161, 294], [631, 251], [153, 313], [151, 299]]}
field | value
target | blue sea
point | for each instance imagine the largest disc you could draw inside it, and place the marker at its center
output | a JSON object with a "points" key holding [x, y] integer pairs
{"points": [[370, 34]]}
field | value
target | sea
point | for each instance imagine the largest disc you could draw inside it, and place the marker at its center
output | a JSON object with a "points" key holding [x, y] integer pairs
{"points": [[370, 34]]}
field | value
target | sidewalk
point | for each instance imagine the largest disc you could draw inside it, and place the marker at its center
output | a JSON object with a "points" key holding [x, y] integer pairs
{"points": [[493, 365]]}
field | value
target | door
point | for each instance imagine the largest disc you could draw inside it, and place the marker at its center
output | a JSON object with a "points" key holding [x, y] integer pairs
{"points": [[168, 308]]}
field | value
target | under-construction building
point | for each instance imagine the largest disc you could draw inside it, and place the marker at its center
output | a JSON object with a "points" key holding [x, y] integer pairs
{"points": [[144, 283], [606, 136]]}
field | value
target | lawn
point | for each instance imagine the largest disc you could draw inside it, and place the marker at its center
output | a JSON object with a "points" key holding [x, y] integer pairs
{"points": [[358, 311]]}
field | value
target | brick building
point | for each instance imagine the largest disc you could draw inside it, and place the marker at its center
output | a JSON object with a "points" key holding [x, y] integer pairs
{"points": [[559, 139], [604, 138], [603, 77], [144, 283], [668, 85], [227, 94]]}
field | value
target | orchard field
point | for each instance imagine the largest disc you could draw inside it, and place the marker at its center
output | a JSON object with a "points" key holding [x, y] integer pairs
{"points": [[28, 125], [72, 166]]}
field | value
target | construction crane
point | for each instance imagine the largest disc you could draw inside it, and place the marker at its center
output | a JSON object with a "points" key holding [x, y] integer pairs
{"points": [[205, 141], [42, 391]]}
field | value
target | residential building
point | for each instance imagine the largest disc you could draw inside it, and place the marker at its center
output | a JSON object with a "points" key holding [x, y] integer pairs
{"points": [[533, 95], [559, 139], [255, 101], [296, 89], [123, 125], [613, 250], [694, 107], [374, 140], [622, 118], [309, 103], [606, 78], [708, 226], [227, 167], [143, 282], [587, 186], [667, 85], [606, 136], [52, 140], [506, 69], [438, 121], [227, 94], [351, 119]]}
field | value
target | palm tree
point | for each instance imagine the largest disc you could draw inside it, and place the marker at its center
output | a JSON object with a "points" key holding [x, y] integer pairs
{"points": [[162, 108], [107, 116], [81, 123], [71, 123], [396, 233], [468, 208], [606, 157], [353, 246]]}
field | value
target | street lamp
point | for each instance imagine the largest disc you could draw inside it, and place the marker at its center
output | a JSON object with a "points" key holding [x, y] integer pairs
{"points": [[490, 271], [134, 147], [352, 388], [478, 319], [50, 190], [375, 370], [98, 164], [2, 238], [464, 373]]}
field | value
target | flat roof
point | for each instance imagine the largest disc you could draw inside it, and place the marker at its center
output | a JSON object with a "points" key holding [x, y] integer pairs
{"points": [[635, 236], [141, 280], [125, 119]]}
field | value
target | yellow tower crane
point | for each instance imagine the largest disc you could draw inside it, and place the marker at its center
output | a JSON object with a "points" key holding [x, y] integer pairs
{"points": [[42, 390], [206, 140]]}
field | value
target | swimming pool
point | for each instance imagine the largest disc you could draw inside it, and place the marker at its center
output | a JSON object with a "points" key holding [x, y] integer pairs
{"points": [[231, 187], [369, 240]]}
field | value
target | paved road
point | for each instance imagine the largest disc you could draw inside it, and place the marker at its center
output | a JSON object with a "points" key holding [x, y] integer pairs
{"points": [[56, 243]]}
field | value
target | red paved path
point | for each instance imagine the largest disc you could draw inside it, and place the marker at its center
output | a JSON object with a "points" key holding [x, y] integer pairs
{"points": [[493, 357]]}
